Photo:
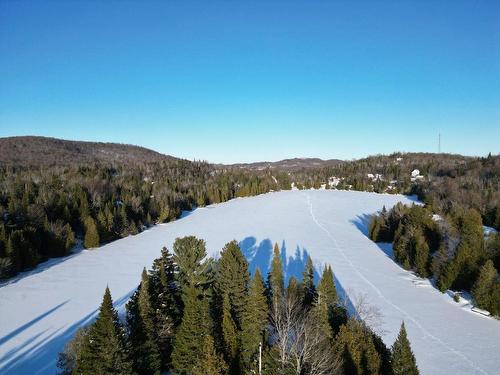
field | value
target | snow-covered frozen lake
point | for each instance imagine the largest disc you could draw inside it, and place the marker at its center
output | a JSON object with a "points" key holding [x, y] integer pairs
{"points": [[40, 311]]}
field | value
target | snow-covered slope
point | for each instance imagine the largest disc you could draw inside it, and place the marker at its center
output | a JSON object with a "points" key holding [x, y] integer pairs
{"points": [[41, 311]]}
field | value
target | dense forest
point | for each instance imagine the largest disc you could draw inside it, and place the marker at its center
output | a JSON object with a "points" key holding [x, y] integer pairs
{"points": [[195, 315], [443, 181], [453, 249], [56, 194]]}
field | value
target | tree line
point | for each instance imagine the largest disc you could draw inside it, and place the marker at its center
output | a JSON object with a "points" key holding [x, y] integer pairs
{"points": [[46, 210], [192, 314], [451, 249]]}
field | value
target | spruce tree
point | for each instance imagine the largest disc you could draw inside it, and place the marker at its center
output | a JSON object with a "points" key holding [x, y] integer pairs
{"points": [[275, 277], [421, 253], [104, 350], [254, 320], [229, 337], [143, 330], [232, 279], [188, 343], [209, 363], [309, 290], [355, 344], [402, 358], [326, 301], [482, 290], [294, 289], [91, 235]]}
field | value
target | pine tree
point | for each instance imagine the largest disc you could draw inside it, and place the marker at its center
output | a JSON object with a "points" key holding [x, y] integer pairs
{"points": [[229, 337], [91, 235], [232, 279], [483, 287], [104, 350], [309, 290], [210, 363], [355, 344], [402, 359], [188, 344], [326, 301], [189, 253], [254, 320], [275, 277], [143, 330], [421, 253], [294, 289]]}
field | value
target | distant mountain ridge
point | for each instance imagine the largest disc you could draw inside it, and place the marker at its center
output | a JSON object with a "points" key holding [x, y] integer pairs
{"points": [[287, 164], [45, 151]]}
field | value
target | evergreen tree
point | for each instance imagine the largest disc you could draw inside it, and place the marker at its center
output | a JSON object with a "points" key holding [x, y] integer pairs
{"points": [[195, 325], [309, 290], [229, 337], [143, 330], [482, 291], [275, 277], [402, 359], [210, 363], [294, 289], [189, 253], [254, 320], [91, 235], [326, 301], [356, 345], [421, 253], [232, 279], [104, 352]]}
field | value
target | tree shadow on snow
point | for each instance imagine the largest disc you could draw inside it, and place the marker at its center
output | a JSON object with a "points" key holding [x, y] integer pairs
{"points": [[42, 357], [260, 256], [362, 222]]}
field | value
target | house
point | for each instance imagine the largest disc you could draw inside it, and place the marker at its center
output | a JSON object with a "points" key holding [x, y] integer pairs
{"points": [[415, 173]]}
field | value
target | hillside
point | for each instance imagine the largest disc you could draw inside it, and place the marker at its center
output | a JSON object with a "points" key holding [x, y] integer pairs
{"points": [[43, 151]]}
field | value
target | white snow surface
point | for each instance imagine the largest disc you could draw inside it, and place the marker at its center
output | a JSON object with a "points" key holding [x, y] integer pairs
{"points": [[41, 309]]}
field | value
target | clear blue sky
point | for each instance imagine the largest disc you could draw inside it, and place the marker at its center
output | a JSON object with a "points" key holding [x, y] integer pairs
{"points": [[231, 82]]}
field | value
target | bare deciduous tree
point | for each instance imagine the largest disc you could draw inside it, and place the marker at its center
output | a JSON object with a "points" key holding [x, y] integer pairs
{"points": [[301, 345]]}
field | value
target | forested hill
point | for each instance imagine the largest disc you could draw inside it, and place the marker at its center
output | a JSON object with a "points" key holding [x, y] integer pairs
{"points": [[43, 151]]}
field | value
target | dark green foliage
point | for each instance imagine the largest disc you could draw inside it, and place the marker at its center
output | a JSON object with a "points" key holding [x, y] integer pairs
{"points": [[53, 193], [232, 279], [141, 321], [275, 280], [230, 340], [188, 343], [402, 358], [91, 234], [189, 253], [356, 345], [254, 321], [485, 289], [326, 302], [104, 349], [202, 342], [308, 287], [210, 363]]}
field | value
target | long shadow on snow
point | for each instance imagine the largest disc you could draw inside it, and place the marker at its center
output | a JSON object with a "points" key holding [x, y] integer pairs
{"points": [[25, 326], [260, 256], [42, 357]]}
